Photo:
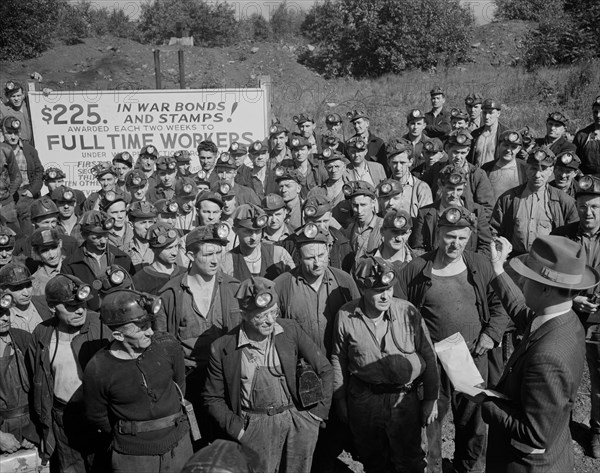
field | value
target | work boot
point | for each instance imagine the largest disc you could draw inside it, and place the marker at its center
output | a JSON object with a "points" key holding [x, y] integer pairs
{"points": [[596, 445]]}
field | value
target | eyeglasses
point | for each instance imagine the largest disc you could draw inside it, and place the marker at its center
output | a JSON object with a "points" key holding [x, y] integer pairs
{"points": [[271, 314]]}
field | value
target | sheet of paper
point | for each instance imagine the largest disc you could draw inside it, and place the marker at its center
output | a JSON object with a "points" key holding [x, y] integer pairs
{"points": [[457, 361]]}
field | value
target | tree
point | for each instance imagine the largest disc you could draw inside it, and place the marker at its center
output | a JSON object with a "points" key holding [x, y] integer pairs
{"points": [[26, 27], [373, 37]]}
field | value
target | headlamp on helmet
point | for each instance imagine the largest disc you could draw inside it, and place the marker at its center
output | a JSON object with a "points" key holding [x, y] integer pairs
{"points": [[173, 207], [187, 188], [222, 230], [454, 178], [169, 235], [385, 188], [586, 183], [453, 215], [279, 171], [52, 174], [4, 239], [10, 85], [110, 196], [201, 174], [136, 180], [234, 146], [68, 195], [6, 301], [273, 129], [347, 189], [263, 299], [566, 158], [461, 139], [399, 222], [224, 188], [513, 138], [310, 211], [428, 146], [261, 221], [257, 146], [310, 230], [327, 152], [295, 142], [224, 157]]}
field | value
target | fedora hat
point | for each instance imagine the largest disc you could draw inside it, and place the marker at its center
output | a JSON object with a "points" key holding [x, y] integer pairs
{"points": [[556, 261]]}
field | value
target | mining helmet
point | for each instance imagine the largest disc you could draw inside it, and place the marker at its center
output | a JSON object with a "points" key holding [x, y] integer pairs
{"points": [[128, 306], [115, 278], [43, 207]]}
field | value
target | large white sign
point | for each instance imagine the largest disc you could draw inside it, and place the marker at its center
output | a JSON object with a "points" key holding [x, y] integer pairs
{"points": [[75, 130]]}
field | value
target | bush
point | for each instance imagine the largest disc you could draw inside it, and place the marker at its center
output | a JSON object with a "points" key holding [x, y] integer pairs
{"points": [[79, 21], [528, 10], [254, 28], [372, 37], [26, 27], [565, 37], [210, 25], [286, 22]]}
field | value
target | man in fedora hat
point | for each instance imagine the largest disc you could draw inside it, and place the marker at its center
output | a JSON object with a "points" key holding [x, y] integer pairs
{"points": [[529, 431]]}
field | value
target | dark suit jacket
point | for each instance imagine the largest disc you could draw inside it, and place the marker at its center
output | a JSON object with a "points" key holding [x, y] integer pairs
{"points": [[541, 379], [75, 264], [222, 390], [559, 146], [376, 151], [35, 170], [438, 127]]}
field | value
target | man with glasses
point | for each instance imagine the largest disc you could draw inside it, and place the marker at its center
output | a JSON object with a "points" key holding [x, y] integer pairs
{"points": [[133, 388], [586, 232], [61, 349], [451, 287], [268, 409]]}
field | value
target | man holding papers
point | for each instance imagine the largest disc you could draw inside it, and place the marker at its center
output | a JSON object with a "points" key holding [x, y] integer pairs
{"points": [[530, 432], [451, 288]]}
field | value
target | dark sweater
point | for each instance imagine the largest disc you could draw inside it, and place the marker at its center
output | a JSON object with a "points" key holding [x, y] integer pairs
{"points": [[151, 281], [114, 390]]}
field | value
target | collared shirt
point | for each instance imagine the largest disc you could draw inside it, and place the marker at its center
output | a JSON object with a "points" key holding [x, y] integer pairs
{"points": [[533, 219], [359, 239], [186, 221], [97, 263], [141, 255], [485, 146], [415, 194], [195, 325], [40, 278], [279, 235], [259, 354], [119, 240], [542, 319], [361, 175], [27, 319], [403, 353]]}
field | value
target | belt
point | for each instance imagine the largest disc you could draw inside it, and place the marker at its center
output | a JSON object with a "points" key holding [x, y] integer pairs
{"points": [[12, 413], [133, 427], [270, 411], [383, 388]]}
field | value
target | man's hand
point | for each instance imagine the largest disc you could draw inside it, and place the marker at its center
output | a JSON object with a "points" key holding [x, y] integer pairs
{"points": [[27, 193], [500, 249], [8, 443], [27, 444], [36, 76], [582, 304], [429, 412], [341, 407], [484, 344]]}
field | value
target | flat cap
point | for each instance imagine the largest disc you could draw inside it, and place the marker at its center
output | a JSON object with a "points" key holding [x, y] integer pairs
{"points": [[161, 235], [135, 179], [215, 233], [123, 157], [249, 216], [374, 273], [256, 293], [14, 274], [141, 209], [272, 202], [397, 220], [149, 151], [315, 206], [456, 216], [356, 188]]}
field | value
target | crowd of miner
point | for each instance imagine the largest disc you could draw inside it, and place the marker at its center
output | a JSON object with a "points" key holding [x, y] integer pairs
{"points": [[291, 291]]}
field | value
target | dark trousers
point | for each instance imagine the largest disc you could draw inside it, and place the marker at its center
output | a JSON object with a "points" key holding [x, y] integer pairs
{"points": [[24, 214], [333, 439], [592, 354], [470, 440], [170, 462], [73, 439]]}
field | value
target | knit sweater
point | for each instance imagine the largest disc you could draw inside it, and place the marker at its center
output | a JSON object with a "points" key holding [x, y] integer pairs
{"points": [[137, 390]]}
